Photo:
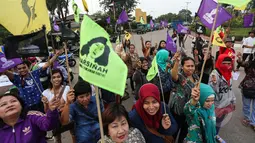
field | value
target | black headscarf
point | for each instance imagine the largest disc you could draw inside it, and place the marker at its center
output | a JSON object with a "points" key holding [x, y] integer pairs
{"points": [[143, 70]]}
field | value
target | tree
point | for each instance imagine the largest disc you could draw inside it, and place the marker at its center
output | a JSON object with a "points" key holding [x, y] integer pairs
{"points": [[58, 6], [149, 17], [169, 17], [128, 5], [185, 15]]}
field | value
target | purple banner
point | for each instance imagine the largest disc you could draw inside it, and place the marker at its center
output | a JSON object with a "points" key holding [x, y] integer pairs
{"points": [[123, 18], [182, 29], [248, 20], [170, 45], [207, 13], [7, 64], [108, 20], [151, 24]]}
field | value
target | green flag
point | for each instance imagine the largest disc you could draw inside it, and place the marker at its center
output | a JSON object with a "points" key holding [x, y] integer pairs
{"points": [[153, 70], [76, 12], [117, 40], [237, 3], [141, 20], [99, 64]]}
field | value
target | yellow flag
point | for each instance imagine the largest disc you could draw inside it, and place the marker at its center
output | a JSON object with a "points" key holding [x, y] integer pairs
{"points": [[127, 35], [99, 64], [85, 5], [217, 41], [241, 7], [24, 16]]}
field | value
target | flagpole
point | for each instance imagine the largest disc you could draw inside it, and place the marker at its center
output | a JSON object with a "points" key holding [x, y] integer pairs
{"points": [[99, 115], [209, 45], [162, 92], [67, 64]]}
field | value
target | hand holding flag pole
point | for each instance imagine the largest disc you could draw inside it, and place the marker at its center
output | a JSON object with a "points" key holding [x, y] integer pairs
{"points": [[209, 45]]}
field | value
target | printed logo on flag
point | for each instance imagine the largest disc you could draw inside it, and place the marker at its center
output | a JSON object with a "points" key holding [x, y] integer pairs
{"points": [[97, 56]]}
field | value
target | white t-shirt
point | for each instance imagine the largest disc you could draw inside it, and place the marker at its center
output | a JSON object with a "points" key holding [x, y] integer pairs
{"points": [[249, 42], [49, 95]]}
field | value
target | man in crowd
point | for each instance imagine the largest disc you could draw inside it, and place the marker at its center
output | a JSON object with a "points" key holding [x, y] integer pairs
{"points": [[248, 46], [28, 83], [83, 112], [197, 43]]}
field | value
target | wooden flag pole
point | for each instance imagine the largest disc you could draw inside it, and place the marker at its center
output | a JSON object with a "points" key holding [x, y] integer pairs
{"points": [[99, 115], [209, 45], [162, 92], [67, 65]]}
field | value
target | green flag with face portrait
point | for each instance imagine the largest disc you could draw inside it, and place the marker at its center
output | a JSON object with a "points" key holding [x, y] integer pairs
{"points": [[76, 12], [99, 64]]}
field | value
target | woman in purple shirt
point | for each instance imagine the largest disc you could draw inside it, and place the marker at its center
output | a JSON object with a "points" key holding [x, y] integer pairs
{"points": [[19, 126]]}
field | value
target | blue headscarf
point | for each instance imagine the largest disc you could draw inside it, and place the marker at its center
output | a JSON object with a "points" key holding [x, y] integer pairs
{"points": [[208, 115], [162, 57]]}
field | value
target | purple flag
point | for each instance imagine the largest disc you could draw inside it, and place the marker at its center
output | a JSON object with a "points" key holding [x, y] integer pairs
{"points": [[207, 12], [248, 20], [123, 18], [108, 20], [161, 23], [55, 26], [151, 24], [182, 29], [165, 23], [7, 64], [170, 45]]}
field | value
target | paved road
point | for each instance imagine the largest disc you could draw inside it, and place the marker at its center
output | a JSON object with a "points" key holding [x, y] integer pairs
{"points": [[232, 132]]}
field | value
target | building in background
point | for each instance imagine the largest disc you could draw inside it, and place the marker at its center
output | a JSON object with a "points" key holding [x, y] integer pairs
{"points": [[138, 14]]}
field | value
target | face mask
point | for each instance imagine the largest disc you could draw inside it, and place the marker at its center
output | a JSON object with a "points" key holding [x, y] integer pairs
{"points": [[225, 68]]}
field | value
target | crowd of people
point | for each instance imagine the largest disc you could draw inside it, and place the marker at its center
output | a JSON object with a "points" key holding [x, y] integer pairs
{"points": [[173, 106]]}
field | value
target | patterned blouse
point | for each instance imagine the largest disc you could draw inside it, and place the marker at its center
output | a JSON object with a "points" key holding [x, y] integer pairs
{"points": [[182, 93], [134, 136]]}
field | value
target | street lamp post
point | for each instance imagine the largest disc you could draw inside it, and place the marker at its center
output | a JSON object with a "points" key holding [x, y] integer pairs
{"points": [[187, 11]]}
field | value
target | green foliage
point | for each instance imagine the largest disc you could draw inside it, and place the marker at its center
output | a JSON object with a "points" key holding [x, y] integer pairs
{"points": [[59, 6], [149, 17], [172, 16], [3, 34], [129, 5]]}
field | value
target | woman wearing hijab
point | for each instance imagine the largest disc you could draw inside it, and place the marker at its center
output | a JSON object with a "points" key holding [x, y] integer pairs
{"points": [[221, 81], [164, 66], [147, 115], [139, 76], [199, 111]]}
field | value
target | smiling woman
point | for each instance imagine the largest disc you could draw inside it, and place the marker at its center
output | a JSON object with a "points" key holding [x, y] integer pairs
{"points": [[117, 127], [18, 125], [147, 115]]}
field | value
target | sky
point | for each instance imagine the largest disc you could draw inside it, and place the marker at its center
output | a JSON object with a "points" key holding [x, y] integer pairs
{"points": [[152, 7]]}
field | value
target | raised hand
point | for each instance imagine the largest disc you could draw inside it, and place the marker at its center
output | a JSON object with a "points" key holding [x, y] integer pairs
{"points": [[196, 52], [195, 94], [141, 38], [239, 54], [54, 103], [44, 100], [177, 56], [214, 79], [166, 122], [70, 96]]}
